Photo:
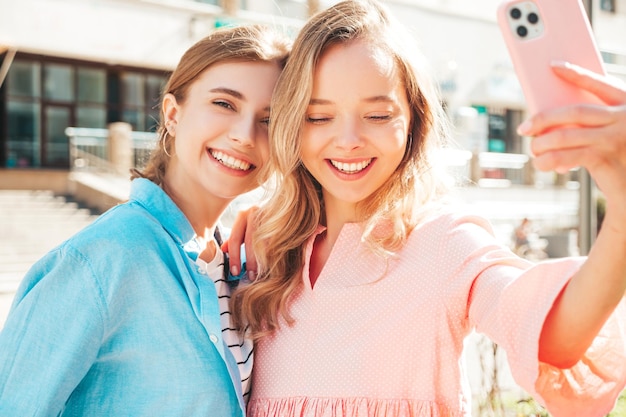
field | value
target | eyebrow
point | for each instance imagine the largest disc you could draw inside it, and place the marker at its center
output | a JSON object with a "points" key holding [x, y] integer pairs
{"points": [[233, 93], [374, 99], [228, 91]]}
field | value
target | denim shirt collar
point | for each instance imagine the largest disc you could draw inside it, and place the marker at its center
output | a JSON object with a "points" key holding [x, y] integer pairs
{"points": [[156, 201]]}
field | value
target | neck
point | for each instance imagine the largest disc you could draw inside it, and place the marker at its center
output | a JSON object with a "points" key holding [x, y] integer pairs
{"points": [[203, 212], [338, 213]]}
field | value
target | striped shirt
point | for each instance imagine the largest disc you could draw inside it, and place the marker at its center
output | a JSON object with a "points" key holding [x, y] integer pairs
{"points": [[240, 347]]}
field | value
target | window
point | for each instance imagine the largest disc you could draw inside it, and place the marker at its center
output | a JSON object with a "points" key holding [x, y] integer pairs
{"points": [[607, 5], [58, 82], [23, 79], [56, 146], [22, 114], [497, 130], [45, 95], [91, 85], [23, 134], [503, 139], [502, 125], [91, 108], [154, 86], [91, 117], [140, 94], [133, 89]]}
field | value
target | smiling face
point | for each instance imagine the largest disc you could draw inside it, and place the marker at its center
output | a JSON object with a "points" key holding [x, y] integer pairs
{"points": [[357, 124], [220, 130]]}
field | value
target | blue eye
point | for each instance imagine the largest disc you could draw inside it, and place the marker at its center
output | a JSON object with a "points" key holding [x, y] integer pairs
{"points": [[223, 104]]}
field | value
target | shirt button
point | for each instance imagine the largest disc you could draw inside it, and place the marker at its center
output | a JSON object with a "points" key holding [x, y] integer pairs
{"points": [[213, 338], [201, 271]]}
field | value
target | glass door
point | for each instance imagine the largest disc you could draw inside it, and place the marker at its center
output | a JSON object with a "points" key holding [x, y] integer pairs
{"points": [[55, 143]]}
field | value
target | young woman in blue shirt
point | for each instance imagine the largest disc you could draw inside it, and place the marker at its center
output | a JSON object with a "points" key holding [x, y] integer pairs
{"points": [[123, 319]]}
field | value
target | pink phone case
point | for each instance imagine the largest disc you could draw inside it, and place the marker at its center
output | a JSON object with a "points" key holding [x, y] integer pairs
{"points": [[560, 32]]}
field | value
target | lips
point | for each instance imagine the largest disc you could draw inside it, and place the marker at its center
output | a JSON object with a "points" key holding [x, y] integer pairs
{"points": [[230, 162], [351, 167]]}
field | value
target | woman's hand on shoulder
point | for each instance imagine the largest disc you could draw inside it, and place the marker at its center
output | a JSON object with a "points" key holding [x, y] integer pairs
{"points": [[241, 234]]}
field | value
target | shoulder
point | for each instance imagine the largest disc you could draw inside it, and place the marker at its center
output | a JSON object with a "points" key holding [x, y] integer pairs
{"points": [[123, 225], [446, 221], [104, 246]]}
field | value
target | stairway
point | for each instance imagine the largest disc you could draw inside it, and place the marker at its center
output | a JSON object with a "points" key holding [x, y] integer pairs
{"points": [[32, 223]]}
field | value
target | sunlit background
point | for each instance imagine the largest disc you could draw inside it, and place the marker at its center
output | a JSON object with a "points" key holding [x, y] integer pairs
{"points": [[79, 88]]}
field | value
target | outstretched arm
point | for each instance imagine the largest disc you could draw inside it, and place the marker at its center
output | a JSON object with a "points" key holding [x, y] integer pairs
{"points": [[594, 137]]}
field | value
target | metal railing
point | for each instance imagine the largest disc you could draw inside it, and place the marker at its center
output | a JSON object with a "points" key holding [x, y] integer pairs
{"points": [[89, 149], [487, 169]]}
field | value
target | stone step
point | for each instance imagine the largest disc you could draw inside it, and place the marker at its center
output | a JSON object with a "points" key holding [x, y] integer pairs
{"points": [[42, 208], [5, 304], [26, 195], [19, 213], [34, 233], [26, 244], [31, 224], [14, 259], [49, 221], [17, 264], [34, 204], [9, 281]]}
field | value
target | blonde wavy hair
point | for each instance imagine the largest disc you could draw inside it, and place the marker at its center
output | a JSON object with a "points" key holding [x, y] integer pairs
{"points": [[231, 44], [296, 208]]}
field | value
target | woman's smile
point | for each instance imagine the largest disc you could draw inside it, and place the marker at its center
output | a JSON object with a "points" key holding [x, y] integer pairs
{"points": [[230, 161]]}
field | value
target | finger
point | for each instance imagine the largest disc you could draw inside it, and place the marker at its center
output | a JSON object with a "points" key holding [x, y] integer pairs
{"points": [[580, 115], [234, 259], [607, 89], [560, 161], [570, 138], [601, 164], [251, 261], [234, 242]]}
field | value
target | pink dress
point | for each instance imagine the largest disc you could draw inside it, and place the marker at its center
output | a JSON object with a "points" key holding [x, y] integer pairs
{"points": [[384, 338]]}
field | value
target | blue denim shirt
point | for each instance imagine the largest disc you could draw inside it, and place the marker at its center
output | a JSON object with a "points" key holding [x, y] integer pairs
{"points": [[118, 321]]}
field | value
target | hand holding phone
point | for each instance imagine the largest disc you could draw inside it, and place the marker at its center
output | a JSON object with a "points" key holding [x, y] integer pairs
{"points": [[539, 32]]}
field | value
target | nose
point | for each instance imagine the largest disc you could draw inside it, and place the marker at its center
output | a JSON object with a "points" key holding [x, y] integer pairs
{"points": [[349, 135], [243, 131]]}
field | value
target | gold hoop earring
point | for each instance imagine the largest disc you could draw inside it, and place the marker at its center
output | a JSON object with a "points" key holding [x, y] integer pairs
{"points": [[169, 128], [164, 145]]}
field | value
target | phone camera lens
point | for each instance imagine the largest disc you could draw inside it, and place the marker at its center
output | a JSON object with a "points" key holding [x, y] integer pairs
{"points": [[522, 31], [533, 18], [516, 13]]}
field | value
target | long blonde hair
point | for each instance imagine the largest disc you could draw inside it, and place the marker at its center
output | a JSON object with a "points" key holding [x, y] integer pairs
{"points": [[295, 209], [241, 43]]}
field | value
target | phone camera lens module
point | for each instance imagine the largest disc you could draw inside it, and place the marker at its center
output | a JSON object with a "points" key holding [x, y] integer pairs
{"points": [[533, 18], [516, 13], [522, 31]]}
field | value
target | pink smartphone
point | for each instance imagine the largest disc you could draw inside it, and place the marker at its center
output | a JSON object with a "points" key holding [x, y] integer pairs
{"points": [[538, 32]]}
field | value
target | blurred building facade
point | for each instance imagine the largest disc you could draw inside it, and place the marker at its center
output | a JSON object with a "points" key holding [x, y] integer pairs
{"points": [[91, 63]]}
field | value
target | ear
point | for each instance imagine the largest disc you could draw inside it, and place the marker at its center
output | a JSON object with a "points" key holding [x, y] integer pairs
{"points": [[170, 113]]}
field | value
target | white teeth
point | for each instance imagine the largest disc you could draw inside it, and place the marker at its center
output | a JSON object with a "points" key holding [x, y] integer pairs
{"points": [[230, 162], [351, 168]]}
